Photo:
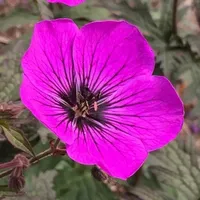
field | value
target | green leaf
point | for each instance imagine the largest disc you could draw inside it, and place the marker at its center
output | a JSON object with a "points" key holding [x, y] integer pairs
{"points": [[39, 187], [176, 61], [4, 123], [10, 59], [10, 81], [45, 164], [145, 193], [194, 42], [18, 140], [177, 167], [76, 183], [6, 191], [18, 17], [136, 12], [44, 9], [165, 24], [10, 71], [84, 11]]}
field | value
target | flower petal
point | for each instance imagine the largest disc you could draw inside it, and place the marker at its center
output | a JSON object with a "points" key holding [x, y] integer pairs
{"points": [[46, 110], [48, 72], [109, 53], [117, 154], [147, 108], [67, 2]]}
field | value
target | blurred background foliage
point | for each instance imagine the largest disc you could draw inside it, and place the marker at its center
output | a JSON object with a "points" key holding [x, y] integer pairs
{"points": [[173, 173]]}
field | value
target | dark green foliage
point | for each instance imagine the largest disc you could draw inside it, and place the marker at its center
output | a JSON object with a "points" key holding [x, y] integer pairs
{"points": [[75, 182], [176, 168]]}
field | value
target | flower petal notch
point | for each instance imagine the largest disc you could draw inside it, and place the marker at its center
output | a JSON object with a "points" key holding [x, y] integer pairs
{"points": [[93, 88], [67, 2]]}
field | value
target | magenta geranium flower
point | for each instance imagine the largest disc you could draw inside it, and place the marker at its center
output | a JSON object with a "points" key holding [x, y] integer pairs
{"points": [[67, 2], [93, 87]]}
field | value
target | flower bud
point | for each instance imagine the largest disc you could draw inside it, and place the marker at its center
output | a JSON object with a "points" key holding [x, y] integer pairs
{"points": [[22, 161], [99, 175], [16, 179], [18, 161], [10, 110]]}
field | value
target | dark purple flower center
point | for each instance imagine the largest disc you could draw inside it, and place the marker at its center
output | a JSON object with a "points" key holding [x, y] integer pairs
{"points": [[83, 107], [84, 101]]}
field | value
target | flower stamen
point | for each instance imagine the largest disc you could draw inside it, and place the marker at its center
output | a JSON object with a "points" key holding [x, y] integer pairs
{"points": [[85, 100], [81, 110]]}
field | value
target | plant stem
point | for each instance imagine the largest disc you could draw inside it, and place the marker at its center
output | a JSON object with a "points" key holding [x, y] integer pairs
{"points": [[10, 164], [35, 159], [40, 156], [5, 173], [174, 17]]}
